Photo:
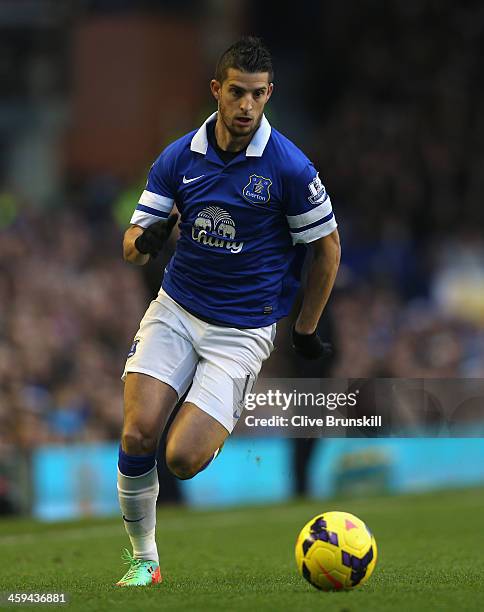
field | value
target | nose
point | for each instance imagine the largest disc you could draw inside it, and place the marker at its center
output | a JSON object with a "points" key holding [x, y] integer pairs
{"points": [[246, 103]]}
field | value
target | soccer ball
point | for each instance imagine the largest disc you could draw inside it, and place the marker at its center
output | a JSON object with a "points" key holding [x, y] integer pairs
{"points": [[336, 550]]}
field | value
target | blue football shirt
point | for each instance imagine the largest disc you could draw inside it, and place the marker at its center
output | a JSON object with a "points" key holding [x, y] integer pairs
{"points": [[243, 225]]}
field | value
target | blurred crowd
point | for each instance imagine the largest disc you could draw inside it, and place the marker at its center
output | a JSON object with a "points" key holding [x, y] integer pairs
{"points": [[386, 99], [69, 308], [400, 141]]}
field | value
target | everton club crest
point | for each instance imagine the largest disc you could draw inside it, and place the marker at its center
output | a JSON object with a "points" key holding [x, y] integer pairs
{"points": [[257, 190], [132, 350]]}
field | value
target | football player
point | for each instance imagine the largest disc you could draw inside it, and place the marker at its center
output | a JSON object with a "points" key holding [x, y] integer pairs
{"points": [[250, 205]]}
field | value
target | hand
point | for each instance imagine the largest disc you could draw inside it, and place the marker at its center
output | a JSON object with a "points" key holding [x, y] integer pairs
{"points": [[153, 239], [310, 346]]}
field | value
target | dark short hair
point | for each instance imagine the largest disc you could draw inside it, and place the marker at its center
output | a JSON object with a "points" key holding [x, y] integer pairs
{"points": [[249, 54]]}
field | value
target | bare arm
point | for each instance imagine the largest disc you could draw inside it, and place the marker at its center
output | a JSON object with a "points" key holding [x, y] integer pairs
{"points": [[324, 265], [130, 252]]}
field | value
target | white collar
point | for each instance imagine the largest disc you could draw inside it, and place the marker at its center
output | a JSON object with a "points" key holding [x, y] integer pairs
{"points": [[256, 146]]}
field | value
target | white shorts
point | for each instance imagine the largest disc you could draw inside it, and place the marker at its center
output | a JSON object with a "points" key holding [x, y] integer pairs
{"points": [[175, 347]]}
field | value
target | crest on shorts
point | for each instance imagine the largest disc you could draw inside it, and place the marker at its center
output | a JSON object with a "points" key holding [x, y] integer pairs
{"points": [[132, 350], [257, 189]]}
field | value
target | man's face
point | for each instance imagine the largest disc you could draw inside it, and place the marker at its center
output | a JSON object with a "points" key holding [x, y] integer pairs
{"points": [[241, 100]]}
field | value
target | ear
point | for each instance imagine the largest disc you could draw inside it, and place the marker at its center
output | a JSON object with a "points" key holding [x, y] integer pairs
{"points": [[215, 87], [270, 89]]}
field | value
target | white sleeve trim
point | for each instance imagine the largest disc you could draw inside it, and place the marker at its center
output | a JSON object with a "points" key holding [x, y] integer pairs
{"points": [[311, 216], [315, 232], [144, 219], [148, 198]]}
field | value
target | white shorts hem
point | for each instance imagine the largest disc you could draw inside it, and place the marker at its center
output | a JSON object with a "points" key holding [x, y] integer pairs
{"points": [[221, 418], [217, 415], [164, 379]]}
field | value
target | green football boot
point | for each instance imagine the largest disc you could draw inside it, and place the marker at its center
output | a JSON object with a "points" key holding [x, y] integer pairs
{"points": [[140, 573]]}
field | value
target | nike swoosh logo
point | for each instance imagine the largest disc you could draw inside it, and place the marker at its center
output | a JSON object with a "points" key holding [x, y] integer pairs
{"points": [[186, 181], [132, 521]]}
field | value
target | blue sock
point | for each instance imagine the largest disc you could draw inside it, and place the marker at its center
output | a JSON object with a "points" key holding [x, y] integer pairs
{"points": [[135, 465]]}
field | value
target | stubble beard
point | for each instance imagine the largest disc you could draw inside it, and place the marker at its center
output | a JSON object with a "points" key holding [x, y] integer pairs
{"points": [[233, 131]]}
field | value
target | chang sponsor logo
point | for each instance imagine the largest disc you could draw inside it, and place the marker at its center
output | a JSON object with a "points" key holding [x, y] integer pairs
{"points": [[214, 227]]}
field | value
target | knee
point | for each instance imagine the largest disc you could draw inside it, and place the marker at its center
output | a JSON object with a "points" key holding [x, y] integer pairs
{"points": [[138, 440], [182, 464]]}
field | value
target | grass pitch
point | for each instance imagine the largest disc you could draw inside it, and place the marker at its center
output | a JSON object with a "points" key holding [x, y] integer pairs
{"points": [[431, 558]]}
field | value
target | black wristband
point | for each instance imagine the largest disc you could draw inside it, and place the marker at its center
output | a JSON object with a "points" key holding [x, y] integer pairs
{"points": [[153, 239], [310, 346], [148, 244]]}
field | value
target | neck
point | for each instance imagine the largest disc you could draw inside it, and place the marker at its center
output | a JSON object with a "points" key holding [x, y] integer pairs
{"points": [[226, 141]]}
